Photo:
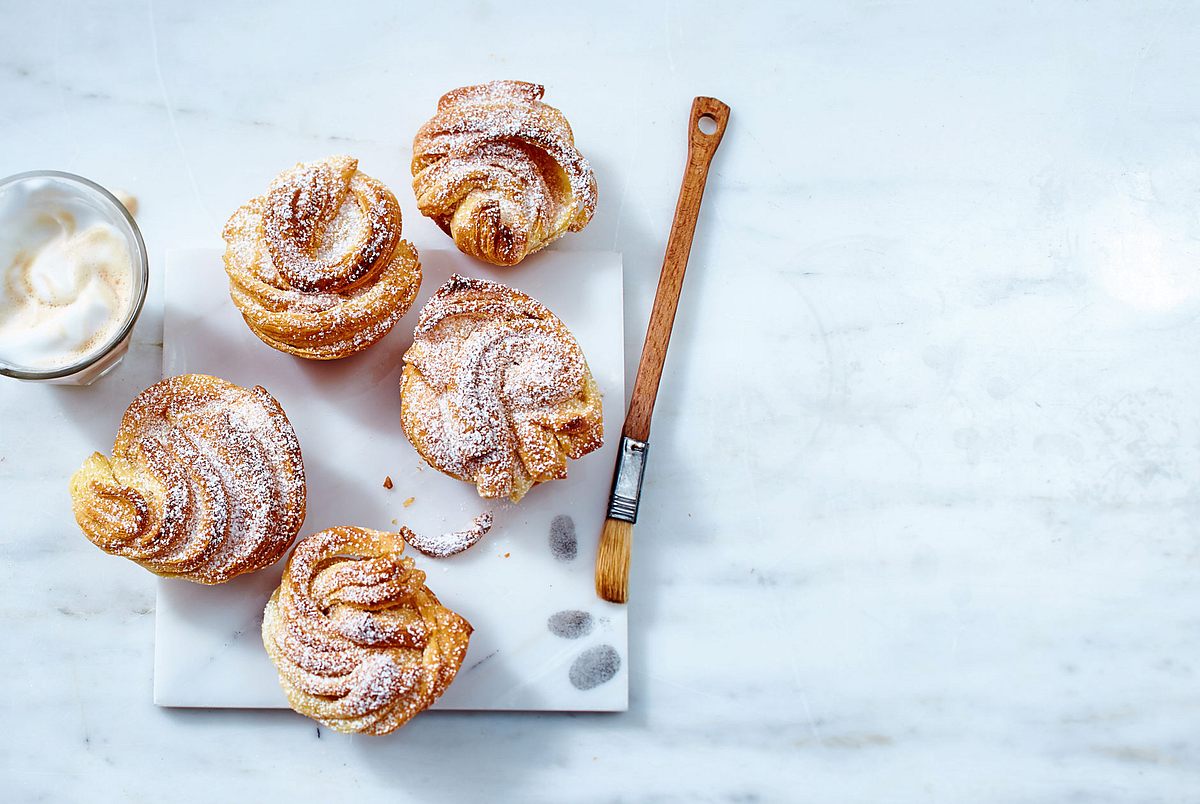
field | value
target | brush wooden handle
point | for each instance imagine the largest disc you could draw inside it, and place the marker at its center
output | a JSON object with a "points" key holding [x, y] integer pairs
{"points": [[616, 537], [701, 148]]}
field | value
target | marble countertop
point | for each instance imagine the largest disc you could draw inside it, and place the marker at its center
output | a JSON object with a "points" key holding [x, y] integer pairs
{"points": [[920, 522]]}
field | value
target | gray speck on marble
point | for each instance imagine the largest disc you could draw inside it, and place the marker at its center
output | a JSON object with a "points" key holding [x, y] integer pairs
{"points": [[571, 624], [484, 659], [595, 666], [563, 542]]}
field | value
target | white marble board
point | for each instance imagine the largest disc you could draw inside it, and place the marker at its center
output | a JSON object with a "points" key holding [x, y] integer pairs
{"points": [[208, 652]]}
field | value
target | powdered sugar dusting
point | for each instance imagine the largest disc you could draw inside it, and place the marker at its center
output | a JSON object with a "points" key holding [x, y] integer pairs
{"points": [[367, 666], [222, 467], [315, 238], [350, 225], [496, 390], [316, 265], [498, 170]]}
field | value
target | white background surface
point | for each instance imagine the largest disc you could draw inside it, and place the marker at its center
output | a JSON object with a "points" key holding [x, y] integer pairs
{"points": [[346, 413], [920, 522]]}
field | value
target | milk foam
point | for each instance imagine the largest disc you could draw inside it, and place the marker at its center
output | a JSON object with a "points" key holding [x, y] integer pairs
{"points": [[66, 275]]}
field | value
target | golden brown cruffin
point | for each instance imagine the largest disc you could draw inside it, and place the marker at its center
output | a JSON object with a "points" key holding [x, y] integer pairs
{"points": [[496, 390], [499, 172], [316, 265], [361, 643], [205, 482]]}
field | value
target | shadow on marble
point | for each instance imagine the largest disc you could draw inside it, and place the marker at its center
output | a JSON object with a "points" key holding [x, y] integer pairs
{"points": [[381, 363], [650, 569], [96, 410], [642, 244], [438, 754]]}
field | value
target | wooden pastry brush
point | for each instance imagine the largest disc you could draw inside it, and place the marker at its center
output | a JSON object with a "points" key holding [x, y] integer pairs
{"points": [[707, 126]]}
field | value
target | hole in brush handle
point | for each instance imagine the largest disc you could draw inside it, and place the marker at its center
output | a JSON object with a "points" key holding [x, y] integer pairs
{"points": [[708, 121]]}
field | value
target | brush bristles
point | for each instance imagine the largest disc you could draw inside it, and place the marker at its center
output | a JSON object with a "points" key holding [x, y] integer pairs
{"points": [[612, 560]]}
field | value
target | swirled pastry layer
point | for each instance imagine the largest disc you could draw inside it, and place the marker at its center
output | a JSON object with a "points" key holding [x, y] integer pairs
{"points": [[361, 644], [499, 172], [316, 265], [205, 482], [496, 390]]}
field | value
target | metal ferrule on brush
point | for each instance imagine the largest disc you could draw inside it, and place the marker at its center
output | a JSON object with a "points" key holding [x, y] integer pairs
{"points": [[627, 480]]}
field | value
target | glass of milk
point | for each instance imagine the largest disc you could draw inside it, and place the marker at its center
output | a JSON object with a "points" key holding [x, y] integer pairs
{"points": [[73, 274]]}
